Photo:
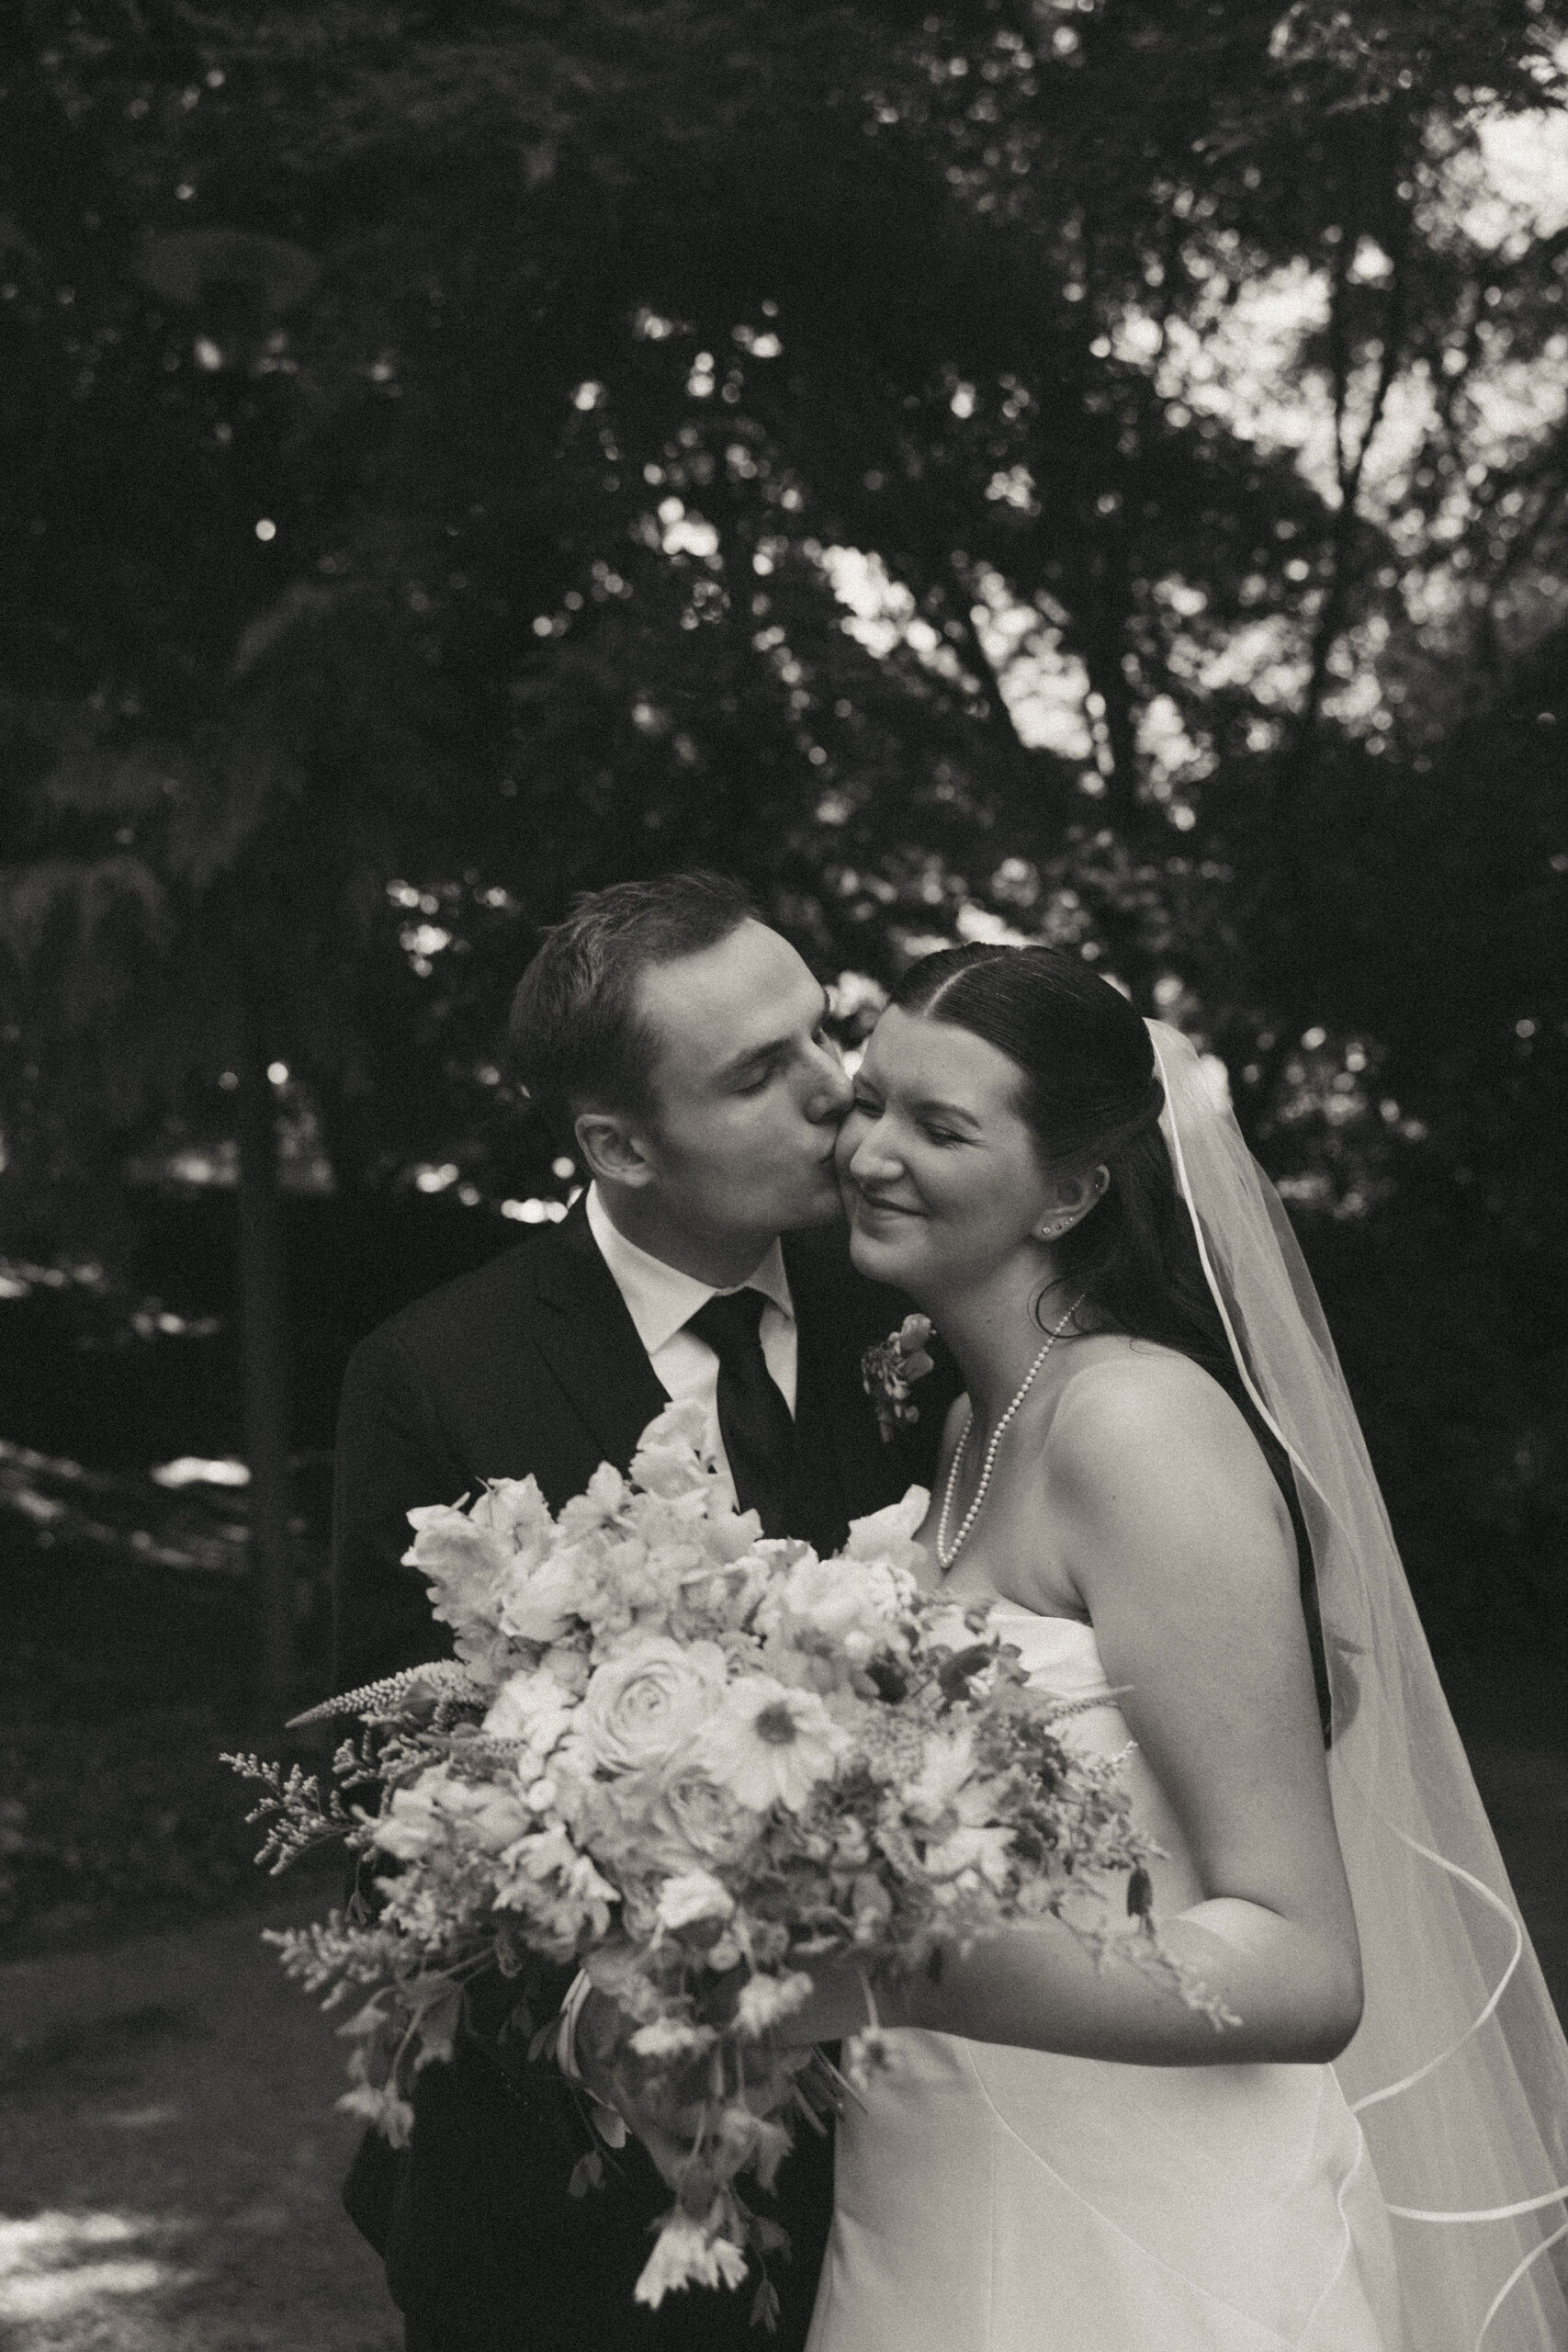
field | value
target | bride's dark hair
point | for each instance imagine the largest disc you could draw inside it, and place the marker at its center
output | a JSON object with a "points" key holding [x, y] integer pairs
{"points": [[1091, 1097], [1090, 1093]]}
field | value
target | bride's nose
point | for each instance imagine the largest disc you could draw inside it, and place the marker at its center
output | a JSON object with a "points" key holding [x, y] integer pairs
{"points": [[874, 1160]]}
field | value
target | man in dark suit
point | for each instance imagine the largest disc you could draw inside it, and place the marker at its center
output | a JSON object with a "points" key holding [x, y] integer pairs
{"points": [[681, 1045]]}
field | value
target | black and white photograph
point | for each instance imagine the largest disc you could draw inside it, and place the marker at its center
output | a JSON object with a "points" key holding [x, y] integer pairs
{"points": [[783, 1176]]}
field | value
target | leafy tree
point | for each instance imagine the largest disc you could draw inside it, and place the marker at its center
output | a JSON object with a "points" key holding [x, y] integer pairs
{"points": [[1091, 472]]}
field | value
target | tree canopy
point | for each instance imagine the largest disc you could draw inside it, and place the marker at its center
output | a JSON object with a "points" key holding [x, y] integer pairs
{"points": [[1089, 469]]}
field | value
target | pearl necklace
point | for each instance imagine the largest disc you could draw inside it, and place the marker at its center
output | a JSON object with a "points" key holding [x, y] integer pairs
{"points": [[947, 1553]]}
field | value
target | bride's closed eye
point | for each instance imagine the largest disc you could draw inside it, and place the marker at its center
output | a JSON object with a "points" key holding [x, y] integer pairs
{"points": [[870, 1108]]}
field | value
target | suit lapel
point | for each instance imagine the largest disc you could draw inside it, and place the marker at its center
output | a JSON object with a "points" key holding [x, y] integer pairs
{"points": [[591, 1343]]}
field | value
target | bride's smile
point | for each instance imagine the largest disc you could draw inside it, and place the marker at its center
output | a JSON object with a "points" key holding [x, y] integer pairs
{"points": [[944, 1181], [953, 1198]]}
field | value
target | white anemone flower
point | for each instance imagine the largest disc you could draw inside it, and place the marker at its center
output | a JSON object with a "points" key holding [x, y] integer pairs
{"points": [[770, 1745]]}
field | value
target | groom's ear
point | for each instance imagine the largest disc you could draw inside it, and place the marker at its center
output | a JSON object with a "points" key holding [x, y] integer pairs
{"points": [[610, 1149]]}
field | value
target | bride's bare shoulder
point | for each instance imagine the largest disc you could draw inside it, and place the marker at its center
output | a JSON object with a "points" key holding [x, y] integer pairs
{"points": [[1136, 1414]]}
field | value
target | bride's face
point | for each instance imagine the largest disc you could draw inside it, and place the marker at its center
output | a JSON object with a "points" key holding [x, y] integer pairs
{"points": [[941, 1173]]}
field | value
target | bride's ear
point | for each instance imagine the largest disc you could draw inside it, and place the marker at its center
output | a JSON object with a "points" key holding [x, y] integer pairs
{"points": [[610, 1149], [1075, 1196]]}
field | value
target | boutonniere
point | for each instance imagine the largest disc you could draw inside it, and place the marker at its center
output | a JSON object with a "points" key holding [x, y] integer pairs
{"points": [[889, 1371]]}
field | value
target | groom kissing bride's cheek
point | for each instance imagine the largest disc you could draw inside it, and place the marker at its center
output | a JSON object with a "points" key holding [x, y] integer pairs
{"points": [[678, 1048], [1156, 1482]]}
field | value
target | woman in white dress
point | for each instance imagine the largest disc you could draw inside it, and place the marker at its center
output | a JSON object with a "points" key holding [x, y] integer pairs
{"points": [[1156, 1477]]}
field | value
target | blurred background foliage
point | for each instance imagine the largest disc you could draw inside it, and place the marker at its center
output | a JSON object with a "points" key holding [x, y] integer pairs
{"points": [[1080, 470]]}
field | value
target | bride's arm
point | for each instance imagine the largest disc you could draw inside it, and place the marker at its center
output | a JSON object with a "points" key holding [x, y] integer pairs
{"points": [[1162, 1502]]}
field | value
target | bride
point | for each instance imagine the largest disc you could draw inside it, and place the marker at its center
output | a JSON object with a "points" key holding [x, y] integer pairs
{"points": [[1157, 1477]]}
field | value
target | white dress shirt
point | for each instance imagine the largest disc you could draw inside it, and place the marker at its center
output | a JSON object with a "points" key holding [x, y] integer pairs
{"points": [[662, 1300]]}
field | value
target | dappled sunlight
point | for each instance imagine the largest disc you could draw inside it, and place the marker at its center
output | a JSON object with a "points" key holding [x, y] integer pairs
{"points": [[170, 2165], [1236, 359], [1417, 440], [879, 606], [1172, 754], [78, 2272], [1045, 687], [1518, 185]]}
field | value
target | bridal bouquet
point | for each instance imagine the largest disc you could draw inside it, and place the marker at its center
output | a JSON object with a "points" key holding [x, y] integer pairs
{"points": [[689, 1762]]}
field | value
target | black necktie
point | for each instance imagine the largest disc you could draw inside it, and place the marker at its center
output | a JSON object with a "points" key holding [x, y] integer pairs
{"points": [[753, 1419]]}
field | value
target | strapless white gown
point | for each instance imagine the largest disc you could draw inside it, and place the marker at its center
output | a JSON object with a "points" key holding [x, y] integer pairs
{"points": [[990, 2200]]}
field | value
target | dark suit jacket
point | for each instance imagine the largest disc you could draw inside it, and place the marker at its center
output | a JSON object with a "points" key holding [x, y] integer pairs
{"points": [[533, 1363]]}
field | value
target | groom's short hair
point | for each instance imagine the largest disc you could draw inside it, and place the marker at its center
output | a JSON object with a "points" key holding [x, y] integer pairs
{"points": [[573, 1033]]}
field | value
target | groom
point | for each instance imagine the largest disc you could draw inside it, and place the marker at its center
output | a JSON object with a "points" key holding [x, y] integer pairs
{"points": [[678, 1047]]}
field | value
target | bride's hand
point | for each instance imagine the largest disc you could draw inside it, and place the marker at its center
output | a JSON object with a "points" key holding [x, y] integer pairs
{"points": [[839, 2006]]}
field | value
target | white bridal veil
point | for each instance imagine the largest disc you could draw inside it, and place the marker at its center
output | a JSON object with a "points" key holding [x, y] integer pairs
{"points": [[1459, 2070]]}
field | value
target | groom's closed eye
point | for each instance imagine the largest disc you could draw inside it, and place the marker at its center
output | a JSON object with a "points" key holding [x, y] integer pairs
{"points": [[753, 1073], [752, 1076], [750, 1072]]}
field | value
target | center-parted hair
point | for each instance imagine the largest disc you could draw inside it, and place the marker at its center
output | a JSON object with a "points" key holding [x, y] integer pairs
{"points": [[574, 1035]]}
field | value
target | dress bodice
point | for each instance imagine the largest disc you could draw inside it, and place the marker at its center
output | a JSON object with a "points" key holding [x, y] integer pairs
{"points": [[996, 2200], [1062, 1653]]}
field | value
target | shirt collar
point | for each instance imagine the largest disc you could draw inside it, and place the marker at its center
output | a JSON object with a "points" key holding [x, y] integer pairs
{"points": [[661, 1299]]}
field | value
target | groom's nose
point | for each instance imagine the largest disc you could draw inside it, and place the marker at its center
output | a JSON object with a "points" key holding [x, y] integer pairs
{"points": [[830, 1092]]}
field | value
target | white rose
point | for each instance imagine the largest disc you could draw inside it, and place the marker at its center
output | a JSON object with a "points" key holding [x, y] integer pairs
{"points": [[645, 1705], [692, 1818]]}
